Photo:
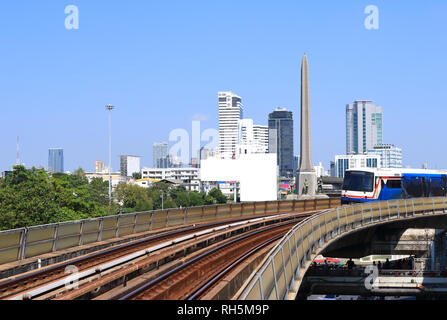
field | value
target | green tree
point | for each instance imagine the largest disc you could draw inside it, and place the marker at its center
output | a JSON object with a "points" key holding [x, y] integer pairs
{"points": [[218, 195], [34, 197], [196, 199], [27, 197], [133, 198], [79, 172], [136, 175]]}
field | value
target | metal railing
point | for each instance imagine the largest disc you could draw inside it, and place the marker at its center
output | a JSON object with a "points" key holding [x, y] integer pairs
{"points": [[279, 273], [19, 244]]}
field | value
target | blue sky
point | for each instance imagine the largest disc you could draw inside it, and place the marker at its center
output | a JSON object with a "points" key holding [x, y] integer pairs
{"points": [[163, 62]]}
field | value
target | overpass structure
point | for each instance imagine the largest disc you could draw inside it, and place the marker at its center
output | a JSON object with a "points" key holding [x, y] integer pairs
{"points": [[114, 253], [21, 244], [129, 249], [385, 282], [281, 273]]}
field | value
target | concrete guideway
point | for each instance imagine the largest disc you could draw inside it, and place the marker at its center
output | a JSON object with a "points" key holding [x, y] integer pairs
{"points": [[162, 252], [280, 274], [24, 243]]}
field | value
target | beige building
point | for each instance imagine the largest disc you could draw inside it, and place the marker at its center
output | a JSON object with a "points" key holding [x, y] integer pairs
{"points": [[116, 177]]}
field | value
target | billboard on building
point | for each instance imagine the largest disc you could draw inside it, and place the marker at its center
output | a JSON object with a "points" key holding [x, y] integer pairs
{"points": [[256, 173]]}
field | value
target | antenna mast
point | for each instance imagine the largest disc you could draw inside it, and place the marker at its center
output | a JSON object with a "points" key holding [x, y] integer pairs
{"points": [[18, 152]]}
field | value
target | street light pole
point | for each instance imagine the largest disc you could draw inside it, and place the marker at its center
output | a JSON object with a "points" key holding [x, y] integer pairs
{"points": [[110, 108]]}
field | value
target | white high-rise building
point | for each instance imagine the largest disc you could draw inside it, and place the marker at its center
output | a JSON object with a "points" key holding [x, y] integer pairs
{"points": [[261, 137], [129, 165], [363, 126], [390, 155], [230, 112], [251, 138], [355, 161]]}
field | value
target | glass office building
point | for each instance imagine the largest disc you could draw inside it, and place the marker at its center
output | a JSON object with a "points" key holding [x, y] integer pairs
{"points": [[56, 160], [160, 155], [364, 124], [280, 124]]}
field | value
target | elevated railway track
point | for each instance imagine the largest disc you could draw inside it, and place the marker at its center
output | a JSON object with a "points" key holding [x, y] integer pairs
{"points": [[200, 255]]}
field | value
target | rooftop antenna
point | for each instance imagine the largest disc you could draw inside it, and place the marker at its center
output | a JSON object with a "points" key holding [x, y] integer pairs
{"points": [[18, 153]]}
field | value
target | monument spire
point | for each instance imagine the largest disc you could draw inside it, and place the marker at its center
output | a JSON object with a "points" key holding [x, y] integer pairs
{"points": [[306, 180]]}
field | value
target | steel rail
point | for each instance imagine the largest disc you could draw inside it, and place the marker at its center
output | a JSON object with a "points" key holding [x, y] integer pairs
{"points": [[147, 285], [59, 266], [30, 293], [230, 267]]}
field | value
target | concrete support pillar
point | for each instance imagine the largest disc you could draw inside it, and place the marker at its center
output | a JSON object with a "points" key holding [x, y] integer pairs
{"points": [[439, 250]]}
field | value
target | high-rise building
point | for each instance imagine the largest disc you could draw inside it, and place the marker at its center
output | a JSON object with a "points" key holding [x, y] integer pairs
{"points": [[99, 166], [56, 160], [332, 166], [129, 165], [160, 155], [281, 140], [261, 137], [390, 155], [251, 138], [296, 164], [230, 112], [363, 126]]}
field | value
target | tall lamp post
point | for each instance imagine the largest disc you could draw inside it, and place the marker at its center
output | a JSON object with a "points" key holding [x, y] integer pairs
{"points": [[110, 108]]}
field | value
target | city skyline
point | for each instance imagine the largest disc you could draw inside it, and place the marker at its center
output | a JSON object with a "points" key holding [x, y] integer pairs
{"points": [[66, 88]]}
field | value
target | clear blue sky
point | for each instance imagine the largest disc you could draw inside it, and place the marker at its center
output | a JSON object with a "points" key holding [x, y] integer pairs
{"points": [[163, 62]]}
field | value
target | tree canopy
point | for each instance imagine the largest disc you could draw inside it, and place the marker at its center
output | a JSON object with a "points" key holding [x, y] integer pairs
{"points": [[33, 197]]}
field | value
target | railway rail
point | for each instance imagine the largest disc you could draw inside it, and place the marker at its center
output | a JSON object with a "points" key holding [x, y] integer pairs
{"points": [[193, 278], [18, 283], [41, 283]]}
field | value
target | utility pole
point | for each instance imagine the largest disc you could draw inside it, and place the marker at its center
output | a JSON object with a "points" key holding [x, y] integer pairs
{"points": [[162, 206], [110, 108]]}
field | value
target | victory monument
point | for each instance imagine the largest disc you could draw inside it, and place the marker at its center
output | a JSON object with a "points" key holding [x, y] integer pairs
{"points": [[306, 179]]}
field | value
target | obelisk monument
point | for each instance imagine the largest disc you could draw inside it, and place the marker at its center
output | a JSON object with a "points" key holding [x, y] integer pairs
{"points": [[306, 180]]}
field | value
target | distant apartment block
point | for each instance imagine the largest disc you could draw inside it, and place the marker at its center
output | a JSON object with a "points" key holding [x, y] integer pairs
{"points": [[251, 138], [56, 160], [99, 166], [129, 165], [205, 153], [116, 177], [390, 155], [350, 161], [189, 177]]}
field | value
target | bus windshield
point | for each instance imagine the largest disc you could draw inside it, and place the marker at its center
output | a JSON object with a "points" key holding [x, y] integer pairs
{"points": [[358, 181]]}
